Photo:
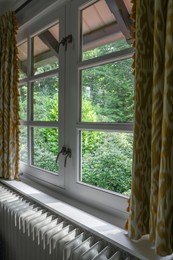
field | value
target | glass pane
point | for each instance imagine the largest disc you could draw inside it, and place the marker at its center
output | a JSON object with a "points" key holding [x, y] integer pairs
{"points": [[23, 144], [45, 148], [45, 50], [45, 99], [22, 59], [100, 32], [23, 102], [107, 160], [107, 93]]}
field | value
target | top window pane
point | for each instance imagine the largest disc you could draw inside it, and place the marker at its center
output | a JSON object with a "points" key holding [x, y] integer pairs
{"points": [[22, 59], [45, 50], [100, 31], [107, 93]]}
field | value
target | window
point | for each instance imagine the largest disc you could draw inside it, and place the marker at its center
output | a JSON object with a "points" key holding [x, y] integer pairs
{"points": [[40, 109], [78, 95]]}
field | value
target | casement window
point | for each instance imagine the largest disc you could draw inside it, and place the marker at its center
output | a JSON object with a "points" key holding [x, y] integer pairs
{"points": [[76, 100], [41, 91]]}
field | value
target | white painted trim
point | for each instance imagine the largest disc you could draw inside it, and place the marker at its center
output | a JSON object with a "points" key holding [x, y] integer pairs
{"points": [[100, 198], [44, 75], [47, 18], [45, 124], [108, 58], [116, 127]]}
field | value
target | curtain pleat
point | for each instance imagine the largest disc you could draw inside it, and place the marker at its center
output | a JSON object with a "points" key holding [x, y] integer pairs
{"points": [[9, 104], [151, 202]]}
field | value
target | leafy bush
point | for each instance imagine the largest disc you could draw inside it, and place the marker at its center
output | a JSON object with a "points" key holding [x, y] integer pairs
{"points": [[107, 160]]}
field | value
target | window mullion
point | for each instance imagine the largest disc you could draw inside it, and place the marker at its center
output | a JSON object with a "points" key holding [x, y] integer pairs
{"points": [[117, 127], [44, 75], [108, 58], [29, 102]]}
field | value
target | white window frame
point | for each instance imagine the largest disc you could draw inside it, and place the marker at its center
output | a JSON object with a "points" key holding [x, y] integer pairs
{"points": [[98, 196], [112, 203], [34, 28]]}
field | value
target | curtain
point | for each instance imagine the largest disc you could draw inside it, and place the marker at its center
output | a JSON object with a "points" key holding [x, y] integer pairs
{"points": [[151, 202], [9, 105]]}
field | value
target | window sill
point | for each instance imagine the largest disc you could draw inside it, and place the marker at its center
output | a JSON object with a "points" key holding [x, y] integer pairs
{"points": [[111, 233]]}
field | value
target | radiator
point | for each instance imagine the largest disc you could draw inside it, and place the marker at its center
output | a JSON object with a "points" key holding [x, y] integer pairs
{"points": [[30, 232]]}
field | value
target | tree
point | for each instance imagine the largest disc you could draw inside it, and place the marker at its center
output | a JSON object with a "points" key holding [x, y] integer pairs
{"points": [[107, 160]]}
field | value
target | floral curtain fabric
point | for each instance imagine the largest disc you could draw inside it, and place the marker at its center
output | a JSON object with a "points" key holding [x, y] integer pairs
{"points": [[9, 106], [151, 202]]}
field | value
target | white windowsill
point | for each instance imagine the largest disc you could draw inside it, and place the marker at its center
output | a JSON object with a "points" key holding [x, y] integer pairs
{"points": [[141, 249]]}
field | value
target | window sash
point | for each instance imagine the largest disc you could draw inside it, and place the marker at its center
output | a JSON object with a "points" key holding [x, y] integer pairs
{"points": [[41, 24], [69, 121]]}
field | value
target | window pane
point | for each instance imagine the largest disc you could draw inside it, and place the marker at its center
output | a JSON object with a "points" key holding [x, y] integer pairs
{"points": [[45, 148], [23, 144], [107, 93], [23, 102], [45, 50], [22, 59], [45, 99], [100, 31], [107, 160]]}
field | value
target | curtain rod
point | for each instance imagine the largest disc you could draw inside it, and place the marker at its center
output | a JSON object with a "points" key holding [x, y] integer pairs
{"points": [[22, 6]]}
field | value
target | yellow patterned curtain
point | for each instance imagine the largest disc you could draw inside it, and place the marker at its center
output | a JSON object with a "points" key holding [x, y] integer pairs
{"points": [[9, 106], [151, 202]]}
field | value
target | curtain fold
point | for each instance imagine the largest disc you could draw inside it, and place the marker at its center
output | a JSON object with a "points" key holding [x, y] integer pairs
{"points": [[151, 202], [9, 104]]}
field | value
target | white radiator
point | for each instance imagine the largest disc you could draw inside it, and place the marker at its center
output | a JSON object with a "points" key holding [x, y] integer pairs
{"points": [[30, 232]]}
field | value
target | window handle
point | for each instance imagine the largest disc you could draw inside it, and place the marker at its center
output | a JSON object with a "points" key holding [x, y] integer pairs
{"points": [[64, 41], [68, 154], [63, 151]]}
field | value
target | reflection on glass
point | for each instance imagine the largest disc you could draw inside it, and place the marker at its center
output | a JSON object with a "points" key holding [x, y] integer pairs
{"points": [[107, 160], [45, 148], [45, 99], [22, 60], [100, 32], [23, 102], [45, 50], [107, 93], [23, 144]]}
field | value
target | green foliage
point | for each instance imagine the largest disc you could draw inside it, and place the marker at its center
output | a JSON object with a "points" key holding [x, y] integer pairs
{"points": [[45, 67], [106, 49], [46, 109], [107, 160], [23, 144], [23, 102], [110, 90], [45, 99], [45, 148]]}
